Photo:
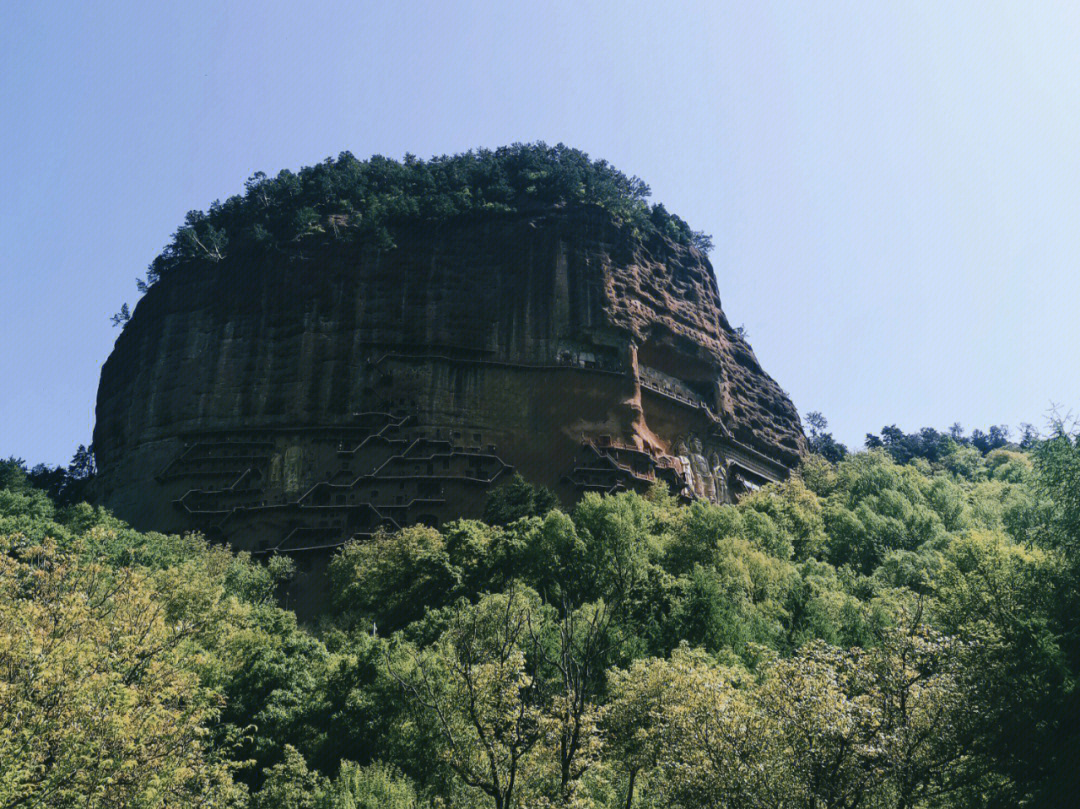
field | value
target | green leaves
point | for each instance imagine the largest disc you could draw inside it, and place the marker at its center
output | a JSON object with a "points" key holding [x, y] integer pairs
{"points": [[98, 705], [349, 199], [474, 687], [872, 634]]}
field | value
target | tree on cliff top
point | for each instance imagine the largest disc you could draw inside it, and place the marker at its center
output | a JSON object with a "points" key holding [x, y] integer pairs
{"points": [[349, 199]]}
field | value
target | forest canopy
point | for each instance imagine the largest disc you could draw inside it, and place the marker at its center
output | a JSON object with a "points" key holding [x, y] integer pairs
{"points": [[870, 634], [348, 198]]}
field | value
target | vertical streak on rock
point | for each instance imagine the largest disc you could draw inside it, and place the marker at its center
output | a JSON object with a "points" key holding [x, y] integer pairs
{"points": [[291, 405]]}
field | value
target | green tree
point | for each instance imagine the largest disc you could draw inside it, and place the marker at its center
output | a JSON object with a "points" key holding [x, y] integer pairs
{"points": [[98, 706], [392, 578], [473, 684], [517, 498], [291, 784], [821, 442], [635, 717]]}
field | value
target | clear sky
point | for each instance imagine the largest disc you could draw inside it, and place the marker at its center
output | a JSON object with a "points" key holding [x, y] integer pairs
{"points": [[893, 188]]}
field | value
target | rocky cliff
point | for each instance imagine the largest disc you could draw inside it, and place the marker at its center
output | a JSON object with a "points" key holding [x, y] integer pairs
{"points": [[290, 404]]}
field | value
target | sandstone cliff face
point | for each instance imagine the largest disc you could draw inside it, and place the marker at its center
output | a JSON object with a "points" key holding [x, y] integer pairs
{"points": [[291, 405]]}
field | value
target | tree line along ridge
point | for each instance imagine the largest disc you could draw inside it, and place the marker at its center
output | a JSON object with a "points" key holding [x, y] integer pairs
{"points": [[351, 199]]}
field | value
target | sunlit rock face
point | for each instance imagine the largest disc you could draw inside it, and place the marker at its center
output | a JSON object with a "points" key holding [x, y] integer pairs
{"points": [[292, 405]]}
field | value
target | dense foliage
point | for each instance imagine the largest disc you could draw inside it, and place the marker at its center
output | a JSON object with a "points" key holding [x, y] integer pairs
{"points": [[349, 199], [64, 485], [933, 445], [929, 444], [867, 634]]}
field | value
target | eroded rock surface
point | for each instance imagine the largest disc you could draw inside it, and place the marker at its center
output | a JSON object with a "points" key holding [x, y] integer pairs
{"points": [[292, 405]]}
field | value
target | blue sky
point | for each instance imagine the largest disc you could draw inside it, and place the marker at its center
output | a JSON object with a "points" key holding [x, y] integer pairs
{"points": [[893, 188]]}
